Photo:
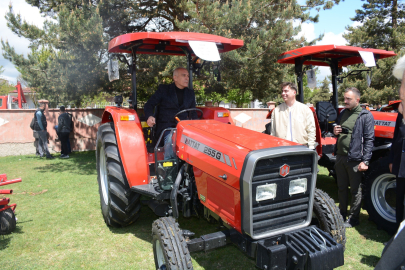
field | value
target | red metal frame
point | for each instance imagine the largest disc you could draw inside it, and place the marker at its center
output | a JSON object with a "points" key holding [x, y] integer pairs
{"points": [[5, 201], [347, 55], [173, 41]]}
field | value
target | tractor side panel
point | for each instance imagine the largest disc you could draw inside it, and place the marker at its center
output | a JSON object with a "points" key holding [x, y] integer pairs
{"points": [[219, 197], [384, 124], [131, 144]]}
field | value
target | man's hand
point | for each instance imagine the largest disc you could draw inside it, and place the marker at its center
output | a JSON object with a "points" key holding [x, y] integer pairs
{"points": [[337, 130], [362, 167], [390, 166], [151, 121]]}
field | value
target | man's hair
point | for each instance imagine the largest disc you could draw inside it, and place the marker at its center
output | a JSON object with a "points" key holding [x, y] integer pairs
{"points": [[62, 108], [176, 69], [292, 86], [354, 90]]}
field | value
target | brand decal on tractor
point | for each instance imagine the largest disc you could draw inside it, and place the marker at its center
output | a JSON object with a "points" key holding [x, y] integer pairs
{"points": [[384, 123], [284, 170], [202, 197], [206, 150]]}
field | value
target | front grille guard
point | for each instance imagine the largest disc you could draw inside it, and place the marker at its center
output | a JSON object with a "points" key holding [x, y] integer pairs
{"points": [[246, 187]]}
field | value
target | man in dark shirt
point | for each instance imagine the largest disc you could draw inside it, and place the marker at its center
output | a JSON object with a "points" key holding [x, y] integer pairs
{"points": [[171, 99], [64, 124], [40, 126], [355, 131]]}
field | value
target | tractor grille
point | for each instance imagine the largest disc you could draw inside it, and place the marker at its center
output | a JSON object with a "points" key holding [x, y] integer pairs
{"points": [[284, 210]]}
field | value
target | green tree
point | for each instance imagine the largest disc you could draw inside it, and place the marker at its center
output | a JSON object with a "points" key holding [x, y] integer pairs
{"points": [[382, 27], [5, 86], [239, 97], [323, 94]]}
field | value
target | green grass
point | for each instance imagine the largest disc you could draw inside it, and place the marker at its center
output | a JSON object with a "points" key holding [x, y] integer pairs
{"points": [[60, 225]]}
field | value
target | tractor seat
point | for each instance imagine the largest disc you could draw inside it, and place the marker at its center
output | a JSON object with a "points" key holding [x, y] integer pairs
{"points": [[326, 114]]}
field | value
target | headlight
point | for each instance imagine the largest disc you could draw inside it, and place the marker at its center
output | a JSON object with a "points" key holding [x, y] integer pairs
{"points": [[266, 192], [298, 186]]}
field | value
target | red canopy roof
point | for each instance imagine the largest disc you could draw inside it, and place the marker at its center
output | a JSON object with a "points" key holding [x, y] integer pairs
{"points": [[167, 43], [318, 55]]}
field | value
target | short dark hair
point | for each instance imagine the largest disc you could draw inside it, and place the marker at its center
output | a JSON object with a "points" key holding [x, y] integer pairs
{"points": [[62, 108], [354, 90], [293, 86]]}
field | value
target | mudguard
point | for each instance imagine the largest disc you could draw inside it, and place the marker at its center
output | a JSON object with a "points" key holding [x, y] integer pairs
{"points": [[131, 144]]}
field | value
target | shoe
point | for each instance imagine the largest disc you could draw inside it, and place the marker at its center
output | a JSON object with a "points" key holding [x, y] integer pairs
{"points": [[64, 156], [50, 157], [351, 222]]}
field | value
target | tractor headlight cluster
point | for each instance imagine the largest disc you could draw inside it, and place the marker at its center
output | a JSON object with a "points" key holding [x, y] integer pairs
{"points": [[297, 186], [266, 192]]}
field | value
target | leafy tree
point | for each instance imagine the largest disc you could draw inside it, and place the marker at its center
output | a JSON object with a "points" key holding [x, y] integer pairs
{"points": [[5, 86], [323, 94], [239, 97], [382, 27]]}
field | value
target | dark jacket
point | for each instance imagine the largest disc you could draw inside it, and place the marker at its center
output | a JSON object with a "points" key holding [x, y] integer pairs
{"points": [[64, 122], [43, 120], [362, 141], [397, 154], [165, 98]]}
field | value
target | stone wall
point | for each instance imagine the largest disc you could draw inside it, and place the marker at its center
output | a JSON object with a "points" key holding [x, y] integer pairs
{"points": [[16, 137]]}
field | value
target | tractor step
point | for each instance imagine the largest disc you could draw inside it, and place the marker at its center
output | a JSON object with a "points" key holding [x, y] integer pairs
{"points": [[150, 191]]}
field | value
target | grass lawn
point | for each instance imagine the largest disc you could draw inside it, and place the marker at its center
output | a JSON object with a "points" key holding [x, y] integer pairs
{"points": [[60, 225]]}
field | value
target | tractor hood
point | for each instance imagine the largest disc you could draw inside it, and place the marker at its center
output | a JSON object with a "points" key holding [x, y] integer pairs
{"points": [[217, 148]]}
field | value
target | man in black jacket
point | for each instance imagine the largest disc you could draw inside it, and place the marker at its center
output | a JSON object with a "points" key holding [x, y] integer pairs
{"points": [[397, 155], [171, 99], [355, 131], [40, 126], [64, 125]]}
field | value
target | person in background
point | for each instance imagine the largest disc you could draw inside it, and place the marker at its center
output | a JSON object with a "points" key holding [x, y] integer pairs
{"points": [[293, 120], [40, 127], [353, 150], [64, 126], [379, 107], [397, 155]]}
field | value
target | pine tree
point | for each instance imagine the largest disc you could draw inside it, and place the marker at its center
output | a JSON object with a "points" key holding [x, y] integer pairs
{"points": [[323, 94], [382, 27]]}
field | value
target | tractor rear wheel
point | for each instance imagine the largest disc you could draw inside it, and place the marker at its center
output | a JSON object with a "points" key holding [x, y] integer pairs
{"points": [[327, 217], [119, 205], [380, 196], [169, 246], [7, 221]]}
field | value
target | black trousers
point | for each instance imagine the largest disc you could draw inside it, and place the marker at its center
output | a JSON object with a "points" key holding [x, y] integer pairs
{"points": [[64, 138], [400, 199]]}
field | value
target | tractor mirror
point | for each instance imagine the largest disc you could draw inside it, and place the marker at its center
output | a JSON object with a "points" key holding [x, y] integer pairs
{"points": [[217, 72], [311, 78], [113, 70]]}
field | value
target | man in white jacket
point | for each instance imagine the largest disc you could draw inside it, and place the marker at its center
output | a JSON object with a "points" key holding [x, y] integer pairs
{"points": [[293, 120]]}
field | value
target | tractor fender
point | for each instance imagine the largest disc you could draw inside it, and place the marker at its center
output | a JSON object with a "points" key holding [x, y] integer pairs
{"points": [[131, 144]]}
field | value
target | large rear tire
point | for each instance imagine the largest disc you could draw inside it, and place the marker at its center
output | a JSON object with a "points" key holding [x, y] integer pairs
{"points": [[328, 217], [119, 205], [7, 221], [169, 246], [380, 196]]}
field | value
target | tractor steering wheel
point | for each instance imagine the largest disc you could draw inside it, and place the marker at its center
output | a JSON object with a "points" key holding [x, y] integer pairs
{"points": [[189, 110]]}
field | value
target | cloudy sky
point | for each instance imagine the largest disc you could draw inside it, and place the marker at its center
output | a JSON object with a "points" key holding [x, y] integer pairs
{"points": [[332, 24]]}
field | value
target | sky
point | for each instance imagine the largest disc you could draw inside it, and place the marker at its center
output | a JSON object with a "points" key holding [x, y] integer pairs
{"points": [[331, 23]]}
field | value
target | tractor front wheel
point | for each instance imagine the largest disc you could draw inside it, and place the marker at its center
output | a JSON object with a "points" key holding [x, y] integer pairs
{"points": [[119, 205], [7, 221], [169, 246], [327, 217]]}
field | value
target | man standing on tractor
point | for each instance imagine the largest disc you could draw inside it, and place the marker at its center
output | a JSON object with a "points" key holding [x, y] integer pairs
{"points": [[353, 150], [40, 127], [293, 120], [170, 100]]}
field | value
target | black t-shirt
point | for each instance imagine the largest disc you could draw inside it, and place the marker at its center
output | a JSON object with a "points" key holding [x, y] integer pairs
{"points": [[180, 95]]}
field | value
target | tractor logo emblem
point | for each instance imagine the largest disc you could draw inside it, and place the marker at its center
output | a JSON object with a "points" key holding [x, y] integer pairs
{"points": [[284, 170]]}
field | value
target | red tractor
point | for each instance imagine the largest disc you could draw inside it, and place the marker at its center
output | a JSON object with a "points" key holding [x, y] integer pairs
{"points": [[260, 188], [7, 217], [379, 185]]}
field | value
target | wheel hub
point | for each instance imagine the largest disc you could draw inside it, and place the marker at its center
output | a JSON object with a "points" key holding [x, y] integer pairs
{"points": [[383, 184]]}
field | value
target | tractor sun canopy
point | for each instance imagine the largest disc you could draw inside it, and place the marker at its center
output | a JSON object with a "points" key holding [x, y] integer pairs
{"points": [[323, 55], [168, 43]]}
